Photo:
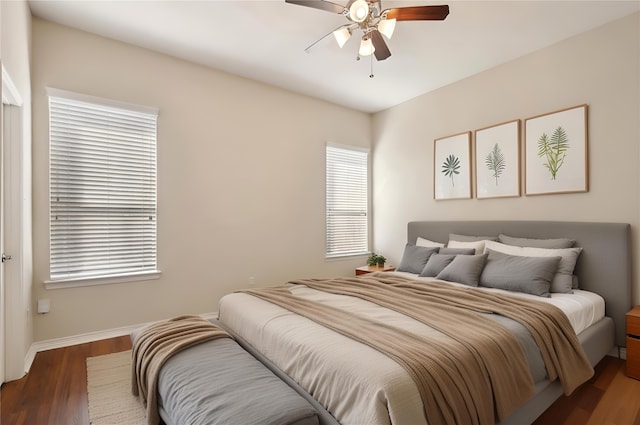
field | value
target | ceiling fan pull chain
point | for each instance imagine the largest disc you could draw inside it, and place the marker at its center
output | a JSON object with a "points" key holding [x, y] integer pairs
{"points": [[371, 75]]}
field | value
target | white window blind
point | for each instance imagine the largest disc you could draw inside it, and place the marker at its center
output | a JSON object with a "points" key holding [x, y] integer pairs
{"points": [[102, 190], [347, 201]]}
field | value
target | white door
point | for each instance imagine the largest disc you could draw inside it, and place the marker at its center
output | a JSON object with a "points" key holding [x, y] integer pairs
{"points": [[10, 130], [2, 216]]}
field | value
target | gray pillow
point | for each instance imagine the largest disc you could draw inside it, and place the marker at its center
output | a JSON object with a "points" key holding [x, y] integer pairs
{"points": [[457, 251], [467, 238], [436, 263], [531, 275], [464, 269], [414, 258], [536, 243], [563, 280]]}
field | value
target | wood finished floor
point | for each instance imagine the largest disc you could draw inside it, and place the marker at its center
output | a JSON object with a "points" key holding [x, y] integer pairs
{"points": [[55, 392]]}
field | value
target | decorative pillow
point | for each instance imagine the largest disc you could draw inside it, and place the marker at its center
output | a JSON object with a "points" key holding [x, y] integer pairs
{"points": [[464, 269], [536, 243], [427, 243], [531, 275], [457, 251], [467, 238], [414, 258], [477, 246], [436, 263], [563, 279]]}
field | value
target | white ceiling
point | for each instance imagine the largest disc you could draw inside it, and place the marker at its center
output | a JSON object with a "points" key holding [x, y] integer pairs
{"points": [[265, 40]]}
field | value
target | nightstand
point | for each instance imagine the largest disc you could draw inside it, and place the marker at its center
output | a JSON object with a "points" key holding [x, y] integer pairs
{"points": [[370, 269], [633, 343]]}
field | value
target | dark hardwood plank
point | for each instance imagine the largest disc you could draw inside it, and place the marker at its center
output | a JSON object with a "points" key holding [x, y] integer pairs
{"points": [[610, 397], [55, 391], [621, 402], [71, 393], [606, 370]]}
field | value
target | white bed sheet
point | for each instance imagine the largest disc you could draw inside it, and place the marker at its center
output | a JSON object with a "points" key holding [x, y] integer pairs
{"points": [[367, 388]]}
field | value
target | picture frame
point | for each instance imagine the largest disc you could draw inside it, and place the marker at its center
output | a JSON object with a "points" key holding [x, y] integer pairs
{"points": [[497, 160], [452, 167], [556, 152]]}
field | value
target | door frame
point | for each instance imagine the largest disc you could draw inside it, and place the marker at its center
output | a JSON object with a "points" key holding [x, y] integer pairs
{"points": [[12, 295]]}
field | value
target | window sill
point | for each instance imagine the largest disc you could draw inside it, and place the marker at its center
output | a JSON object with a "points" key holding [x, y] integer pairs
{"points": [[106, 280]]}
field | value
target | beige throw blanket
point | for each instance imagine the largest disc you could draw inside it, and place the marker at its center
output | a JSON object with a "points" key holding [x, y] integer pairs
{"points": [[155, 344], [477, 376]]}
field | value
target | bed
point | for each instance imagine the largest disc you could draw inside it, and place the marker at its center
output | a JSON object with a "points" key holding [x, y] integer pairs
{"points": [[370, 387]]}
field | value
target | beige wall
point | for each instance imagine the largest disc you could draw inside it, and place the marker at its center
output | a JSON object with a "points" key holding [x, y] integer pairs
{"points": [[16, 51], [241, 164], [240, 185], [600, 68]]}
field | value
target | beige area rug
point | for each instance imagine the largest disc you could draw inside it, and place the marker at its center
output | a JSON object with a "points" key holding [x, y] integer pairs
{"points": [[109, 390]]}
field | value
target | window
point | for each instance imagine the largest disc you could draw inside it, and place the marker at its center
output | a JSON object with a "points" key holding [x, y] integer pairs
{"points": [[347, 201], [102, 188]]}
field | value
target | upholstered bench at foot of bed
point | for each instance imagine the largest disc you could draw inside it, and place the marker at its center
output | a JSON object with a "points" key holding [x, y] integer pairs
{"points": [[217, 382]]}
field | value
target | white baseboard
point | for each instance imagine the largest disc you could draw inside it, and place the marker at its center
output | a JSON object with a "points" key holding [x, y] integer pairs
{"points": [[29, 358], [67, 341]]}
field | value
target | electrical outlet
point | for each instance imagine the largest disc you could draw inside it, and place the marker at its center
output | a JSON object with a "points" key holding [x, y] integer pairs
{"points": [[252, 281], [43, 306]]}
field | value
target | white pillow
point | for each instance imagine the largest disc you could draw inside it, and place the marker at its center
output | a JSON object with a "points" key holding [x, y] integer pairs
{"points": [[563, 279], [477, 245], [427, 243], [468, 238]]}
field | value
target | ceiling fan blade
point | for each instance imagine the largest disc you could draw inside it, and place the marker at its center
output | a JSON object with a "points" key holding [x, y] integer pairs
{"points": [[382, 50], [319, 4], [418, 13]]}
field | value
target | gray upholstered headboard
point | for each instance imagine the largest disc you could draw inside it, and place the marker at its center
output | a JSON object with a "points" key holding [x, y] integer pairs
{"points": [[604, 266]]}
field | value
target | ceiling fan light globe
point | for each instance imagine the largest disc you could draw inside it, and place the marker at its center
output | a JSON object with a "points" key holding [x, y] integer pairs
{"points": [[366, 47], [386, 27], [359, 11], [342, 36]]}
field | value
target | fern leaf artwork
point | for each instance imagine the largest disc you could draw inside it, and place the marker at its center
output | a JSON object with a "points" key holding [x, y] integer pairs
{"points": [[451, 167], [495, 162], [554, 150]]}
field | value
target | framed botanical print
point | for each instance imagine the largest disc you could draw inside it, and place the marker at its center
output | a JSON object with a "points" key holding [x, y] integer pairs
{"points": [[556, 154], [497, 155], [452, 167]]}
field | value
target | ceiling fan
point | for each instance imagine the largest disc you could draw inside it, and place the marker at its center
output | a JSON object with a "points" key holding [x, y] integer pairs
{"points": [[374, 21]]}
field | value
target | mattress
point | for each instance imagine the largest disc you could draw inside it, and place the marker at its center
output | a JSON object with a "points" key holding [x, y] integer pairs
{"points": [[347, 387]]}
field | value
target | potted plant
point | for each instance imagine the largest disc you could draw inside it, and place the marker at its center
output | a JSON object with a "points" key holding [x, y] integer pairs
{"points": [[376, 260]]}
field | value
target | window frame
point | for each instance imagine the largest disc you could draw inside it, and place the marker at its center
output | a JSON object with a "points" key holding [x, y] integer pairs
{"points": [[109, 278], [366, 249]]}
